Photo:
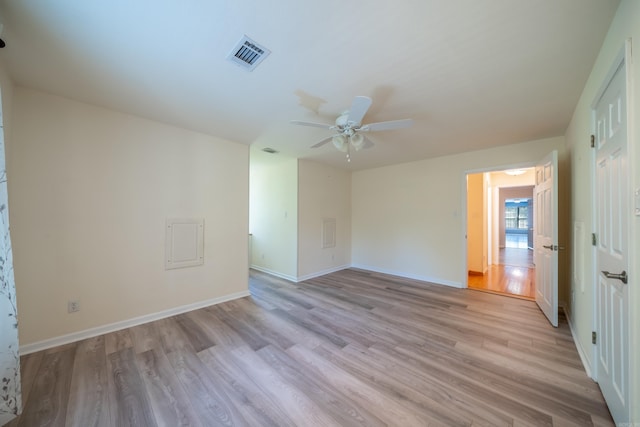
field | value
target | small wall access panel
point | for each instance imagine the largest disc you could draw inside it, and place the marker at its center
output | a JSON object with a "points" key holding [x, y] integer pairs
{"points": [[328, 233], [184, 242]]}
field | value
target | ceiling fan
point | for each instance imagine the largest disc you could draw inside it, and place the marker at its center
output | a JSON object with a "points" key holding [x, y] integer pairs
{"points": [[348, 127]]}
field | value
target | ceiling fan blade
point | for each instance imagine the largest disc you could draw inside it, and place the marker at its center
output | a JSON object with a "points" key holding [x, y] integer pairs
{"points": [[367, 143], [359, 108], [312, 124], [321, 143], [392, 124]]}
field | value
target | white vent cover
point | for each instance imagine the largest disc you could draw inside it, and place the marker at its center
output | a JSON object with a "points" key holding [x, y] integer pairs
{"points": [[248, 54]]}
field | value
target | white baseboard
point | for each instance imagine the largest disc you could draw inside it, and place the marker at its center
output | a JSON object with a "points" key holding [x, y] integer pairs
{"points": [[275, 273], [437, 281], [300, 278], [322, 273], [581, 351], [112, 327]]}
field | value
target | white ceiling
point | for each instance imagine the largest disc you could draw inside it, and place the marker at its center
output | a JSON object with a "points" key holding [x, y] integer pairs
{"points": [[471, 73]]}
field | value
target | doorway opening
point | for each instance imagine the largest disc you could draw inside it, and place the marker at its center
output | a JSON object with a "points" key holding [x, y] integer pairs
{"points": [[517, 250], [500, 232]]}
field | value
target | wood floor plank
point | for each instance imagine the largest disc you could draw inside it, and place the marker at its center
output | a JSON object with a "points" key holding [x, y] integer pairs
{"points": [[561, 401], [506, 279], [118, 340], [301, 409], [195, 332], [249, 335], [269, 319], [446, 398], [219, 332], [171, 336], [89, 398], [349, 348], [257, 407], [47, 403], [171, 405], [332, 400], [394, 413], [526, 368], [212, 404], [146, 337], [448, 376], [130, 402], [359, 365], [300, 318], [247, 314]]}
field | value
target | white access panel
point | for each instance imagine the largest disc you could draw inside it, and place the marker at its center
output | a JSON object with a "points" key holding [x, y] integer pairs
{"points": [[184, 242], [328, 233]]}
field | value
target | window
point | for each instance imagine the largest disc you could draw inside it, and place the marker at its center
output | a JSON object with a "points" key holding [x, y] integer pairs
{"points": [[516, 215]]}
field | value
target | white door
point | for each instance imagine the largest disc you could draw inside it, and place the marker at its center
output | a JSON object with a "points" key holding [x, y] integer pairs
{"points": [[612, 345], [545, 246]]}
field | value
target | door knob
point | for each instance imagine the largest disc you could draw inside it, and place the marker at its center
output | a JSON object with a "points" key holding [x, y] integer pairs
{"points": [[548, 246], [622, 276]]}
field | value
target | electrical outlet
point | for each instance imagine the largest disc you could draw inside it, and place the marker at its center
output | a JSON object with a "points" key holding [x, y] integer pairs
{"points": [[73, 306]]}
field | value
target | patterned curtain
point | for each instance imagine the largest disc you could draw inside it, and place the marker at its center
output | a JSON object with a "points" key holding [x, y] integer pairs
{"points": [[10, 392]]}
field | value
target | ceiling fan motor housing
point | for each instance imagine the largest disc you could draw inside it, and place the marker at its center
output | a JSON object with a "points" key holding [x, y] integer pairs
{"points": [[343, 120]]}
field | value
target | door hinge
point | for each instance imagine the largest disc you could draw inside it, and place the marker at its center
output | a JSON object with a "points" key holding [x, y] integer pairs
{"points": [[593, 239], [593, 337], [593, 141]]}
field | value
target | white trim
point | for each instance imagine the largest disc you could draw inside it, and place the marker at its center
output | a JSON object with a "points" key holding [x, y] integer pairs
{"points": [[463, 214], [112, 327], [436, 281], [322, 273], [581, 351], [275, 273]]}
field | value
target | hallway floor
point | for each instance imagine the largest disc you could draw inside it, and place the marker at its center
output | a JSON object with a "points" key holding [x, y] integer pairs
{"points": [[506, 279], [514, 276]]}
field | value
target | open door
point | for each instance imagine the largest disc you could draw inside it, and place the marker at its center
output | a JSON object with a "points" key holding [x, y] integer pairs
{"points": [[545, 256]]}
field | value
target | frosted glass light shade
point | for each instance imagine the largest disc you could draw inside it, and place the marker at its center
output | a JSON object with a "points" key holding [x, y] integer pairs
{"points": [[340, 142], [357, 141]]}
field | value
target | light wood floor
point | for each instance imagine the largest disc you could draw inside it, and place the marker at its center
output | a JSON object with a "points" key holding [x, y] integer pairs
{"points": [[518, 257], [348, 348], [506, 279], [514, 275]]}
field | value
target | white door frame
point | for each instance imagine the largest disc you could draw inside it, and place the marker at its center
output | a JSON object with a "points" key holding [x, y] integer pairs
{"points": [[527, 165]]}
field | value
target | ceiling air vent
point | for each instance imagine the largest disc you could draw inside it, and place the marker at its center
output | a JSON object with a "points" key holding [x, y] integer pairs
{"points": [[248, 54]]}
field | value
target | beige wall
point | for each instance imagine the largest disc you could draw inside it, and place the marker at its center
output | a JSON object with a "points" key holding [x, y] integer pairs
{"points": [[409, 219], [273, 218], [289, 200], [626, 24], [324, 192], [7, 102], [476, 224], [90, 190]]}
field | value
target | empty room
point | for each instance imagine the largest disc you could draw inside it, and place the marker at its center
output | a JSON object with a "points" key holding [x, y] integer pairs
{"points": [[414, 213]]}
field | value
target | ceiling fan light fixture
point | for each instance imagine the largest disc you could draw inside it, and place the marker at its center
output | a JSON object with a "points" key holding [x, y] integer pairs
{"points": [[340, 142], [357, 141], [514, 172]]}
